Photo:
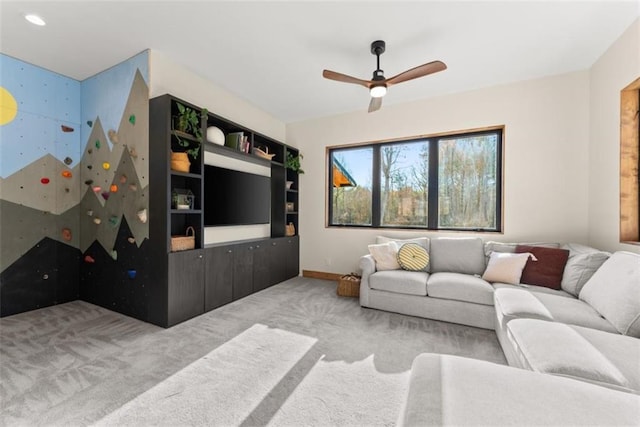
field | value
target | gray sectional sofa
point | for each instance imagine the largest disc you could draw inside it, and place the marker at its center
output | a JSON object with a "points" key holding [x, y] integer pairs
{"points": [[581, 340]]}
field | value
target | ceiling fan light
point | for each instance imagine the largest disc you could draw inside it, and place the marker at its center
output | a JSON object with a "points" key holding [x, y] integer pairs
{"points": [[378, 91]]}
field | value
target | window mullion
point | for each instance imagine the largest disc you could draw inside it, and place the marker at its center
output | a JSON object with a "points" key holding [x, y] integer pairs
{"points": [[433, 185], [375, 190]]}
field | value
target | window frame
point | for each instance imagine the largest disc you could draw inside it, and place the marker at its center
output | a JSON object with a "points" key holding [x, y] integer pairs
{"points": [[432, 213]]}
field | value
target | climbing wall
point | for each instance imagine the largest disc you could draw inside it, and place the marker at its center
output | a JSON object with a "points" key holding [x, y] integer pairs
{"points": [[73, 186], [114, 209], [40, 150]]}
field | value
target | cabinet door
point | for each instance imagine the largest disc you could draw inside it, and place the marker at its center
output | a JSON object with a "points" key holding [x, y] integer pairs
{"points": [[261, 266], [219, 277], [293, 257], [277, 261], [186, 286], [243, 270]]}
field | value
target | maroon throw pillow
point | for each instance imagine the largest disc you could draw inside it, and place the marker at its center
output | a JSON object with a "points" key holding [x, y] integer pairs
{"points": [[547, 271]]}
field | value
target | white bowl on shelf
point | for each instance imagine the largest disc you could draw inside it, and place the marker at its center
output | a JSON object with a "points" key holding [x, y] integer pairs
{"points": [[215, 135]]}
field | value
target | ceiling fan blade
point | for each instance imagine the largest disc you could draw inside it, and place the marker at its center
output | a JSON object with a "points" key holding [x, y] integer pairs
{"points": [[375, 104], [419, 71], [339, 77]]}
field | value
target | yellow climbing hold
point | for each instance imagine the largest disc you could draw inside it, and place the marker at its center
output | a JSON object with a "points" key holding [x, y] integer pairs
{"points": [[106, 166]]}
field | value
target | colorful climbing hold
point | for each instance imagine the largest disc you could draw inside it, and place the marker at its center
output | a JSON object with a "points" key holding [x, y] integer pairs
{"points": [[66, 128], [123, 179], [105, 195], [66, 234], [98, 144], [97, 221], [67, 174], [90, 123], [68, 160], [90, 212], [113, 188], [113, 220], [131, 240], [97, 189], [133, 153], [45, 276], [114, 255], [132, 119], [89, 259], [131, 274], [106, 166], [113, 136], [133, 187], [45, 180]]}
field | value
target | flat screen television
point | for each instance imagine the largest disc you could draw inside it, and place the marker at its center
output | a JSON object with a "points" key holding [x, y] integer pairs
{"points": [[233, 197]]}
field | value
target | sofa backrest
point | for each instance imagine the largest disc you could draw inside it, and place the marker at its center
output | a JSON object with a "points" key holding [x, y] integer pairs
{"points": [[614, 292], [457, 255]]}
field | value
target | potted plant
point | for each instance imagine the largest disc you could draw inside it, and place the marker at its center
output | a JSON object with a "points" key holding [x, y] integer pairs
{"points": [[293, 162], [188, 123]]}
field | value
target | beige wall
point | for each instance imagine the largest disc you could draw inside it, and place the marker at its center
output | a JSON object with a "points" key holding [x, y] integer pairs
{"points": [[546, 159], [167, 76], [619, 66]]}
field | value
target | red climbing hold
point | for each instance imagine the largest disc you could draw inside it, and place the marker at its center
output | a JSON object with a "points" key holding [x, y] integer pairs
{"points": [[89, 259], [45, 180]]}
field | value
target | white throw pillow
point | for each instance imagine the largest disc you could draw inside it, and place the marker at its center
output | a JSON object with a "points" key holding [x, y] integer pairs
{"points": [[385, 255], [506, 267]]}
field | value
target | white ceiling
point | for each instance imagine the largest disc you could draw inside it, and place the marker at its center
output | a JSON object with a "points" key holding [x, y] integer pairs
{"points": [[272, 53]]}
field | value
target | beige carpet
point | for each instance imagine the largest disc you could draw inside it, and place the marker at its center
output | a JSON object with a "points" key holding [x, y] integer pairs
{"points": [[292, 355]]}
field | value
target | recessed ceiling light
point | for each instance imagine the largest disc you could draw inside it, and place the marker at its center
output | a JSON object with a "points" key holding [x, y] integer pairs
{"points": [[35, 19]]}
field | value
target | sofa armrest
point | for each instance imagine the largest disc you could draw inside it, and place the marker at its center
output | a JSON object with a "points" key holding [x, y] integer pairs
{"points": [[367, 267]]}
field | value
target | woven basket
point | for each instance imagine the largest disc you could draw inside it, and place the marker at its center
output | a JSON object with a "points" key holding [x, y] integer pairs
{"points": [[349, 286], [184, 243], [180, 162]]}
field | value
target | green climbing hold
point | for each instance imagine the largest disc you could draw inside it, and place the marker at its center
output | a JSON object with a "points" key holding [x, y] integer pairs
{"points": [[97, 143], [90, 123], [132, 119], [114, 255], [113, 221]]}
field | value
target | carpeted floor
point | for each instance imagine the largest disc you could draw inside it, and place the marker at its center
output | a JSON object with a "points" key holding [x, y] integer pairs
{"points": [[295, 354]]}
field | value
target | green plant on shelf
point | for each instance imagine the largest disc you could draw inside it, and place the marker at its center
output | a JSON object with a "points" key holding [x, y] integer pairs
{"points": [[189, 122], [293, 162]]}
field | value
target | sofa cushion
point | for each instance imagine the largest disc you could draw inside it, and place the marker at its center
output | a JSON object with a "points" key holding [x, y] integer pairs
{"points": [[502, 247], [556, 348], [533, 288], [460, 287], [522, 304], [614, 291], [454, 391], [582, 263], [400, 281], [505, 267], [385, 255], [413, 257], [547, 269], [457, 255]]}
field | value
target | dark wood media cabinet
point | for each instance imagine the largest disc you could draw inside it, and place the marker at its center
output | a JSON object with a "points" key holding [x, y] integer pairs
{"points": [[188, 283]]}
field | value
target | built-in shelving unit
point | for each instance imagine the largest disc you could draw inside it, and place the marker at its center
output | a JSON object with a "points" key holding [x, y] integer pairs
{"points": [[188, 283]]}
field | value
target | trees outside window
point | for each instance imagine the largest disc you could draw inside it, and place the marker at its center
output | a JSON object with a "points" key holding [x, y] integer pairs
{"points": [[451, 182]]}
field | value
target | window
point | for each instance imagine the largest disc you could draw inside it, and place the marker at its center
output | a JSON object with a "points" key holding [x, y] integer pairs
{"points": [[630, 163], [450, 182]]}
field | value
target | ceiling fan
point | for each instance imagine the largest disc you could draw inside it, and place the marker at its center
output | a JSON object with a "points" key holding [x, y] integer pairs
{"points": [[378, 84]]}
